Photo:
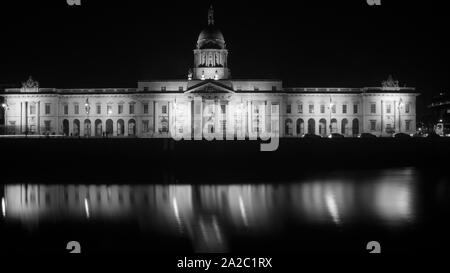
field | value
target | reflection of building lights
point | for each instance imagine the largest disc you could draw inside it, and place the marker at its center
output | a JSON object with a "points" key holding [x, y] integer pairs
{"points": [[175, 210], [86, 207], [243, 213], [332, 206], [3, 207]]}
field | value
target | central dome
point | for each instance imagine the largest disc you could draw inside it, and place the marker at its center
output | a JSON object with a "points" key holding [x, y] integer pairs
{"points": [[211, 37]]}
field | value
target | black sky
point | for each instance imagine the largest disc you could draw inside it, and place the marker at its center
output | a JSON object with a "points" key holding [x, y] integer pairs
{"points": [[304, 43]]}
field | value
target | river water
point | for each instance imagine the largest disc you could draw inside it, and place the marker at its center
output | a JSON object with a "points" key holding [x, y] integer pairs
{"points": [[404, 209]]}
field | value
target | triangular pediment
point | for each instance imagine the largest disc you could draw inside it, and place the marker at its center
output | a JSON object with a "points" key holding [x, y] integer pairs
{"points": [[210, 87]]}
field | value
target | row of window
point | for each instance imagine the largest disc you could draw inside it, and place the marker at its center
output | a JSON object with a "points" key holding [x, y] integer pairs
{"points": [[344, 109], [109, 109], [322, 109], [181, 88], [373, 125], [47, 109], [388, 107]]}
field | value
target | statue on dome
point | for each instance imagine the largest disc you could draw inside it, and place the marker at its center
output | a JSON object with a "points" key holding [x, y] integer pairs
{"points": [[390, 82]]}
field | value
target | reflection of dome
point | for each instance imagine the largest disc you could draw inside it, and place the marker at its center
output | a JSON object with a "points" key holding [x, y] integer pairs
{"points": [[211, 37]]}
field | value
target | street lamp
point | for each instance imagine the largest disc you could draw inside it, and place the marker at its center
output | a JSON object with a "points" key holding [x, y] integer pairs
{"points": [[400, 105], [331, 107], [5, 109]]}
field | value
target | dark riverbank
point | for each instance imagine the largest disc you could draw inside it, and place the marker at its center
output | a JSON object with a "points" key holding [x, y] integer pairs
{"points": [[169, 161]]}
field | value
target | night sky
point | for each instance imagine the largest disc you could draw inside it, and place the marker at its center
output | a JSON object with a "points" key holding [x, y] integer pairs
{"points": [[304, 43]]}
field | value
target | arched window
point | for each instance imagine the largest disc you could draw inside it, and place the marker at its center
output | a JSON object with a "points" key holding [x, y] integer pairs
{"points": [[76, 127], [131, 127], [109, 127], [311, 126], [66, 127], [300, 127], [98, 128], [322, 127], [355, 127], [344, 125], [87, 127], [334, 126], [120, 127], [288, 127]]}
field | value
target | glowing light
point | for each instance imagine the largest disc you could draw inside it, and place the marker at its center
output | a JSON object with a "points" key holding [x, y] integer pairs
{"points": [[243, 213], [86, 207], [175, 210], [330, 201], [3, 207]]}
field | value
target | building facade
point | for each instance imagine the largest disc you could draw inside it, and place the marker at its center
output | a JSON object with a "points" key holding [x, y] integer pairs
{"points": [[209, 102]]}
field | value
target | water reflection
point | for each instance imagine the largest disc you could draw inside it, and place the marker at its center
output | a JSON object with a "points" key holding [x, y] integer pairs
{"points": [[209, 214]]}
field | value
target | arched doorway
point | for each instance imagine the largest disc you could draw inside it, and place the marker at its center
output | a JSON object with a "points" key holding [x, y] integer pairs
{"points": [[311, 126], [87, 127], [355, 127], [109, 127], [344, 124], [120, 127], [334, 126], [322, 127], [300, 127], [66, 127], [288, 127], [131, 127], [76, 127], [98, 128]]}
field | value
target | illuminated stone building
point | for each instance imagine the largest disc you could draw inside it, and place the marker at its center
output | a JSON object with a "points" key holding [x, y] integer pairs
{"points": [[209, 101]]}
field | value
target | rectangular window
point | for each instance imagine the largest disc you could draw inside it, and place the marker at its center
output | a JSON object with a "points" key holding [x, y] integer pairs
{"points": [[145, 108], [373, 125], [120, 109], [373, 108], [344, 109], [355, 108], [163, 88], [109, 109], [47, 108], [275, 108], [300, 109], [256, 88], [407, 125], [164, 109], [145, 126], [99, 109], [12, 128], [223, 108], [131, 109], [274, 88], [146, 89], [180, 88], [407, 108], [76, 109], [47, 124], [288, 109], [333, 108], [322, 108], [388, 108], [311, 108], [32, 109], [66, 109]]}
